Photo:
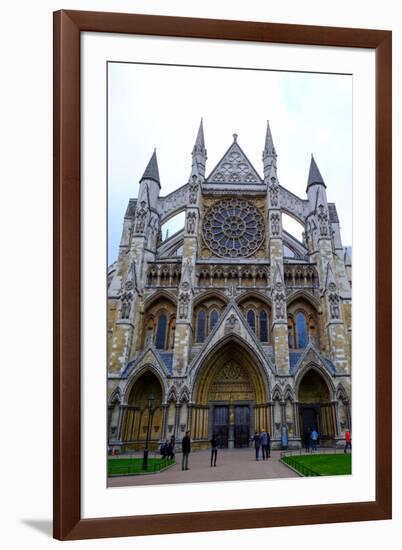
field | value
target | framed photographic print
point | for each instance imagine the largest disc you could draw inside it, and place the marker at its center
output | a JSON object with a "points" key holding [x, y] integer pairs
{"points": [[218, 187]]}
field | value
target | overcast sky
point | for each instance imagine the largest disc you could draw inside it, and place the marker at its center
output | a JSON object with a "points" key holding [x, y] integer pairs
{"points": [[157, 106]]}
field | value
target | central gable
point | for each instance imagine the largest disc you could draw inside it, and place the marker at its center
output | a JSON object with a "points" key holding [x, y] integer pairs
{"points": [[234, 167]]}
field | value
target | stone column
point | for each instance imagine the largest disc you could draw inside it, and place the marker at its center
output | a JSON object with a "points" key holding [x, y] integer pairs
{"points": [[165, 409]]}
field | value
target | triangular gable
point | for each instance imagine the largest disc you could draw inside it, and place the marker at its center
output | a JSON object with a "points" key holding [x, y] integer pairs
{"points": [[234, 167], [149, 356], [231, 322], [311, 355]]}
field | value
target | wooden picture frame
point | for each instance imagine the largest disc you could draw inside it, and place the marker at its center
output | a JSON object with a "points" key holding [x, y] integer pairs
{"points": [[68, 25]]}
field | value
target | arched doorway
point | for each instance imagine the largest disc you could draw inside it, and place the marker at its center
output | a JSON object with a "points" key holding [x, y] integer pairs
{"points": [[316, 409], [138, 418], [230, 398]]}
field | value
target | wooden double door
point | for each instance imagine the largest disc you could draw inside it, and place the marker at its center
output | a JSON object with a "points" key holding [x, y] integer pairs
{"points": [[238, 427]]}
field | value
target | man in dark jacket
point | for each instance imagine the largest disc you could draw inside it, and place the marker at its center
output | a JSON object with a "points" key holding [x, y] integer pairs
{"points": [[257, 444], [186, 450]]}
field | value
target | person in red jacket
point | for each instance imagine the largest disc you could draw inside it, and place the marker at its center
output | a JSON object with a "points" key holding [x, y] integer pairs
{"points": [[348, 441]]}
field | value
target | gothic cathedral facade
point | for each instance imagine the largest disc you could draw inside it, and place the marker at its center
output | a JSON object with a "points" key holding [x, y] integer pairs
{"points": [[230, 325]]}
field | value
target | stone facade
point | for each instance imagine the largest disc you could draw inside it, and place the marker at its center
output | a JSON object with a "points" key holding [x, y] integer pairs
{"points": [[230, 325]]}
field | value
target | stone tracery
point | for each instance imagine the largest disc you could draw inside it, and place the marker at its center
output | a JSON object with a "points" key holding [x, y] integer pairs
{"points": [[233, 228]]}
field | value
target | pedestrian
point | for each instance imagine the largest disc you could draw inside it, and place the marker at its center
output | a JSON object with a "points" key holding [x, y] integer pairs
{"points": [[265, 444], [257, 444], [306, 440], [186, 450], [348, 441], [170, 448], [214, 450], [314, 438]]}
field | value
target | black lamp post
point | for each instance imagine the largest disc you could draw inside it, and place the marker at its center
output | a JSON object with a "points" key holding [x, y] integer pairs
{"points": [[151, 398]]}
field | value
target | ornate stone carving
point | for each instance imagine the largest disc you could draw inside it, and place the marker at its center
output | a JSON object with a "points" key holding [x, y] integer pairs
{"points": [[193, 190], [140, 216], [233, 228], [191, 218], [184, 305], [126, 299], [234, 168], [279, 301], [232, 324], [333, 300], [322, 217], [274, 193], [275, 224]]}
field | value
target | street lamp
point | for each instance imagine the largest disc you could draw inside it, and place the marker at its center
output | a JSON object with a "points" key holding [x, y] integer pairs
{"points": [[151, 398]]}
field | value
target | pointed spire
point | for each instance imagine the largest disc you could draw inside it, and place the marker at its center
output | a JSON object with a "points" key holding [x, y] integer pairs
{"points": [[269, 148], [152, 171], [269, 154], [314, 175], [200, 142], [199, 153]]}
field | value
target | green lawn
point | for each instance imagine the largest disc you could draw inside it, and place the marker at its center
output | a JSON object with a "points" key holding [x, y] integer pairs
{"points": [[133, 466], [321, 464]]}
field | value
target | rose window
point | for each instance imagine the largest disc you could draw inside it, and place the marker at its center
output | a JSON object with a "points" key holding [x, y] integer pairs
{"points": [[233, 228]]}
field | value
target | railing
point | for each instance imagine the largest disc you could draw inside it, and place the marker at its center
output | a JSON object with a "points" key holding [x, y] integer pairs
{"points": [[301, 468], [133, 466], [289, 458]]}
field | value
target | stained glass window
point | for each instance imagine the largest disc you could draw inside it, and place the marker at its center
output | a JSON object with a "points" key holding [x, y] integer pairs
{"points": [[201, 326], [233, 228], [213, 319], [161, 332], [251, 319], [301, 329], [263, 326]]}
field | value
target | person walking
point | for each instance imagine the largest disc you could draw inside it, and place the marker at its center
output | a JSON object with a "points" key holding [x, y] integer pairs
{"points": [[257, 444], [348, 441], [186, 450], [170, 448], [314, 438], [214, 450], [265, 444]]}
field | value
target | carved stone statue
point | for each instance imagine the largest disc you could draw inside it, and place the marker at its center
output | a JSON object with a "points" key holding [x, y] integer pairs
{"points": [[323, 221]]}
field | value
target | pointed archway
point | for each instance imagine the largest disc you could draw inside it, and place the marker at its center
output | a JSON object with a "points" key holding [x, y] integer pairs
{"points": [[230, 397], [138, 420], [316, 407]]}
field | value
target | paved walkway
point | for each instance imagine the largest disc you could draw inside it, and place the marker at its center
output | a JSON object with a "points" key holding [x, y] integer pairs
{"points": [[239, 464]]}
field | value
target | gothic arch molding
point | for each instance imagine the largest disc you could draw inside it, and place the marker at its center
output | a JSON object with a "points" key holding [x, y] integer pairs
{"points": [[207, 368], [115, 397], [321, 371], [303, 295], [210, 294], [157, 296], [155, 370], [250, 294]]}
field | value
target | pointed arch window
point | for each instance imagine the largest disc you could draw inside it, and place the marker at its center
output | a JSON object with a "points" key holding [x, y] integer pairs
{"points": [[213, 319], [263, 326], [301, 329], [161, 332], [251, 319], [201, 326]]}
